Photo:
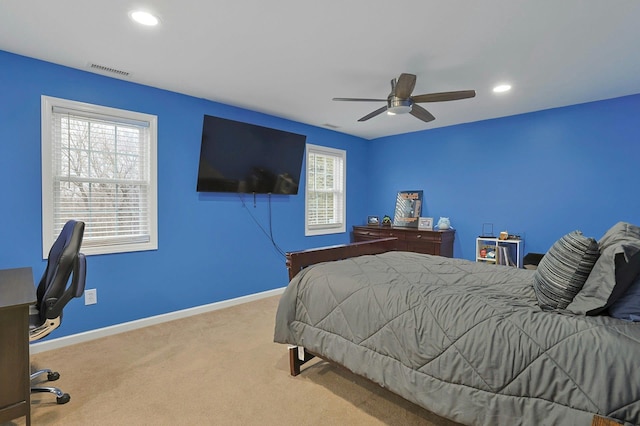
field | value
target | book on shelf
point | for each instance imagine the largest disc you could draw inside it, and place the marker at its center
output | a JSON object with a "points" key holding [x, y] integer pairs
{"points": [[504, 257]]}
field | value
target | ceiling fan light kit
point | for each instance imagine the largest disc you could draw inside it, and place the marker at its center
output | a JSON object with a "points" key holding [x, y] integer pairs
{"points": [[400, 100]]}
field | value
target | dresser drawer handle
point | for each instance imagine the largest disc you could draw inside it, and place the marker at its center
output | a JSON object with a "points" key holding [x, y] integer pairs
{"points": [[418, 236]]}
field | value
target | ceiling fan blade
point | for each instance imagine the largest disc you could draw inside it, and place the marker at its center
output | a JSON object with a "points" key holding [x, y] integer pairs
{"points": [[444, 96], [374, 113], [421, 113], [404, 85], [359, 99]]}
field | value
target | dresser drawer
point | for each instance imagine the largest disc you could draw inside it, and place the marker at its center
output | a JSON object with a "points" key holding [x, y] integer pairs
{"points": [[424, 237], [386, 233], [372, 233], [361, 234], [424, 246]]}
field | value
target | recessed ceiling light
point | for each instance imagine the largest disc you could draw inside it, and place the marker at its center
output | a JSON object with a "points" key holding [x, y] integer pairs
{"points": [[502, 88], [144, 18]]}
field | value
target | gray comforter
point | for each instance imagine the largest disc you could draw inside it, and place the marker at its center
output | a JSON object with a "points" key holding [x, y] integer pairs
{"points": [[465, 340]]}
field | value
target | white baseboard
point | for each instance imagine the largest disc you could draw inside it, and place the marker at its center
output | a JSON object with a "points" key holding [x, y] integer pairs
{"points": [[48, 345]]}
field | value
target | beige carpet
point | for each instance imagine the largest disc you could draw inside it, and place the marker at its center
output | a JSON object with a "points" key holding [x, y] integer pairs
{"points": [[219, 368]]}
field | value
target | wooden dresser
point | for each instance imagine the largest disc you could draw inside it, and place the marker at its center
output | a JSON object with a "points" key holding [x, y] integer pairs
{"points": [[410, 239]]}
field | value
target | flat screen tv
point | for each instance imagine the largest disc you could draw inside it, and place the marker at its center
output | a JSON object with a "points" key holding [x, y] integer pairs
{"points": [[246, 158]]}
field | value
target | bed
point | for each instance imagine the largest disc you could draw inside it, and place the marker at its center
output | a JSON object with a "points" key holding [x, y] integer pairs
{"points": [[469, 341]]}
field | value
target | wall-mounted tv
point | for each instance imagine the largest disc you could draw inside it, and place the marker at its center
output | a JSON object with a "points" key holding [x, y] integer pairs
{"points": [[246, 158]]}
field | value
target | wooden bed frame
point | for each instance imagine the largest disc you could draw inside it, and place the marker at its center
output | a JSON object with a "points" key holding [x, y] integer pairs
{"points": [[298, 260]]}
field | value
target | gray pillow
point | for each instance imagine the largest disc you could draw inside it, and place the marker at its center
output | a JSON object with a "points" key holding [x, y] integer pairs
{"points": [[627, 307], [621, 231], [564, 269], [613, 273]]}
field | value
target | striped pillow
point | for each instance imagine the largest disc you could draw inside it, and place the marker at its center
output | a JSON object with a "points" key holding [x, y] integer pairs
{"points": [[564, 269]]}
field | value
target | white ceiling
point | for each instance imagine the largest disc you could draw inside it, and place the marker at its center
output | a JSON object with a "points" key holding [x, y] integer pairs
{"points": [[289, 58]]}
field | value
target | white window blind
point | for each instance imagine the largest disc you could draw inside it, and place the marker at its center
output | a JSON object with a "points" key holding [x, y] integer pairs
{"points": [[101, 170], [325, 190]]}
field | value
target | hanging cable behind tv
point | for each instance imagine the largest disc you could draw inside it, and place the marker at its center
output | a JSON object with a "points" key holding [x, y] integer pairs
{"points": [[269, 233]]}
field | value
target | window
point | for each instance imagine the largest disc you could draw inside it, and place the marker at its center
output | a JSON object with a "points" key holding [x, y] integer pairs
{"points": [[326, 190], [99, 166]]}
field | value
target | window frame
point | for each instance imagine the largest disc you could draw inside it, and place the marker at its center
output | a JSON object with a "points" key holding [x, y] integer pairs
{"points": [[49, 234], [312, 230]]}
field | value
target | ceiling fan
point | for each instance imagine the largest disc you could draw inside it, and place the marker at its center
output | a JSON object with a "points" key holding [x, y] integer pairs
{"points": [[400, 100]]}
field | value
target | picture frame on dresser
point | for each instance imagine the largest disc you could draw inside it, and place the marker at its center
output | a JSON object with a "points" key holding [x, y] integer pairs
{"points": [[373, 220], [425, 223]]}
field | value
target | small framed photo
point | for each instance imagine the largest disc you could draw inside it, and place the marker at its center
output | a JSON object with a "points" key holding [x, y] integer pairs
{"points": [[373, 220], [425, 223]]}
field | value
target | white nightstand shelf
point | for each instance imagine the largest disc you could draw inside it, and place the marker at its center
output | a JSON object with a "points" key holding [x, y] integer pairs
{"points": [[499, 252]]}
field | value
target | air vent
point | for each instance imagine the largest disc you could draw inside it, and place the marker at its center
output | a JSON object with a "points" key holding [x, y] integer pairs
{"points": [[331, 126], [109, 70]]}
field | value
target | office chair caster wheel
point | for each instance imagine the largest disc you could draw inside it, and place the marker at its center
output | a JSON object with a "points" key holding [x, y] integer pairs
{"points": [[53, 375], [63, 399]]}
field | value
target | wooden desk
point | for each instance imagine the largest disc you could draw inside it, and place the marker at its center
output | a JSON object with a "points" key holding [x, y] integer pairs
{"points": [[410, 239], [17, 292]]}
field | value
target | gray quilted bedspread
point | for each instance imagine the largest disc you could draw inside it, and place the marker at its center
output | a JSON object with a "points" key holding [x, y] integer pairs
{"points": [[465, 340]]}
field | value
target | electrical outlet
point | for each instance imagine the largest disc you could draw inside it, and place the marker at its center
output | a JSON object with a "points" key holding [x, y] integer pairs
{"points": [[91, 296]]}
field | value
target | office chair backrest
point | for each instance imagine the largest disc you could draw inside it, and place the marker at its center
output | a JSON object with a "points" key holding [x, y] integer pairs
{"points": [[64, 260]]}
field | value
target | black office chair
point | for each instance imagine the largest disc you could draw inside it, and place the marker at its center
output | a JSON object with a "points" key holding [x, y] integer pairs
{"points": [[65, 262]]}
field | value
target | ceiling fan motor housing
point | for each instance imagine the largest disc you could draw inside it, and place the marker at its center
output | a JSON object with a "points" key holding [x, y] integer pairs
{"points": [[396, 105]]}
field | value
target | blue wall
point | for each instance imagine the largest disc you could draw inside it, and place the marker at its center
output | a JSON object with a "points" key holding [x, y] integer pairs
{"points": [[210, 247], [540, 174]]}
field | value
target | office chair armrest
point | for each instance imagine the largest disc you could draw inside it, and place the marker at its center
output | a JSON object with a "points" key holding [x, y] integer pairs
{"points": [[79, 275]]}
